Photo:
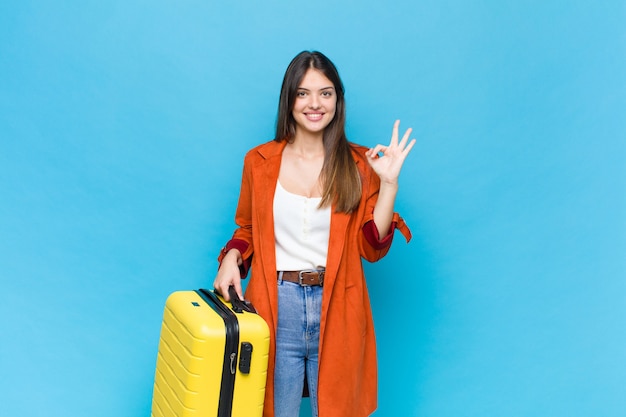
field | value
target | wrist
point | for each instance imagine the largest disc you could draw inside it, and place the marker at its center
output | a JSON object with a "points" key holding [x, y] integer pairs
{"points": [[389, 186], [234, 255]]}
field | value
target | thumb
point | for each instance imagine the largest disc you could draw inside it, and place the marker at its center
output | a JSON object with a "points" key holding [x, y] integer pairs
{"points": [[238, 289]]}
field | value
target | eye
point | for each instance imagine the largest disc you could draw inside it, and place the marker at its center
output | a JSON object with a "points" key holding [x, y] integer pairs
{"points": [[301, 94], [327, 93]]}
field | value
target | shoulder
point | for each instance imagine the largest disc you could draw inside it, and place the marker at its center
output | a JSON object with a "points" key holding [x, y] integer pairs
{"points": [[358, 152], [264, 151], [368, 176], [360, 149]]}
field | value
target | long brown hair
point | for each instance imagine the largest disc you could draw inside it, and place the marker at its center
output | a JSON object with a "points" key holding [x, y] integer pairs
{"points": [[340, 177]]}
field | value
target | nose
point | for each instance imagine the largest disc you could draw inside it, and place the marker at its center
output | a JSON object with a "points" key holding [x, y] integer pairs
{"points": [[315, 102]]}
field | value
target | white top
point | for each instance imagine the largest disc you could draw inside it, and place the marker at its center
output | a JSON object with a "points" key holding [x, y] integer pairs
{"points": [[301, 230]]}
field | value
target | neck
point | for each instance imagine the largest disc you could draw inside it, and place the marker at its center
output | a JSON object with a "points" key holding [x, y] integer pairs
{"points": [[308, 144]]}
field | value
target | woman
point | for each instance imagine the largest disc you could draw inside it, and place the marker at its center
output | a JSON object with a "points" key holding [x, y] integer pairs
{"points": [[311, 206]]}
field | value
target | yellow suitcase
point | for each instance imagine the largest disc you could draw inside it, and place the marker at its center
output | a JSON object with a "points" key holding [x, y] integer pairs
{"points": [[212, 358]]}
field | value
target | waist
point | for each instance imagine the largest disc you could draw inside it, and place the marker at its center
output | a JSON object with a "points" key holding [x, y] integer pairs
{"points": [[306, 277]]}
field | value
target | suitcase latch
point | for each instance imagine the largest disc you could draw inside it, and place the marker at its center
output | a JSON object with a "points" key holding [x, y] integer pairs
{"points": [[245, 357]]}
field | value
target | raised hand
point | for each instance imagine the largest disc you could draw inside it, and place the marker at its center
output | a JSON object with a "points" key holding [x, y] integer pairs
{"points": [[388, 165]]}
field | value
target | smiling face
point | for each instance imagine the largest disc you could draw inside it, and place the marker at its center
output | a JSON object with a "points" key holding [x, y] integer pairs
{"points": [[315, 103]]}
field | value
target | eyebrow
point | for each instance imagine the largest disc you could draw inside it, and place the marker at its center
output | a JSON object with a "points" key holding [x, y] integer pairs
{"points": [[321, 89]]}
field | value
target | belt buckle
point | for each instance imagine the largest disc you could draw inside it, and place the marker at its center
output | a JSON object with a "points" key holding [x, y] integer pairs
{"points": [[320, 274]]}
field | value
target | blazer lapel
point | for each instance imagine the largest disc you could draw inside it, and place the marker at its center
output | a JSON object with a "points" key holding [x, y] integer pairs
{"points": [[338, 227], [338, 232], [265, 176]]}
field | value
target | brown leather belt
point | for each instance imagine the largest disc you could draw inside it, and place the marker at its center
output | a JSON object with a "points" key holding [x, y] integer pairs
{"points": [[307, 277]]}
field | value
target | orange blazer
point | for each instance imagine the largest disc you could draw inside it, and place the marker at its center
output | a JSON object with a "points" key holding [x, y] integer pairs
{"points": [[347, 352]]}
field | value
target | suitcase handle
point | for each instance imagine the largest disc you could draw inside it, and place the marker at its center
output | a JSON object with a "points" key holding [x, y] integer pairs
{"points": [[238, 304]]}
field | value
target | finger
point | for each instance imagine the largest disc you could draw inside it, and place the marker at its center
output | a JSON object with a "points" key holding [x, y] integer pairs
{"points": [[221, 286], [374, 152], [216, 284], [409, 147], [406, 137], [394, 134], [223, 290], [238, 289]]}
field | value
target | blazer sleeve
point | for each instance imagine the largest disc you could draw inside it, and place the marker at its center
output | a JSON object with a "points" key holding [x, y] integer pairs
{"points": [[242, 237], [372, 247]]}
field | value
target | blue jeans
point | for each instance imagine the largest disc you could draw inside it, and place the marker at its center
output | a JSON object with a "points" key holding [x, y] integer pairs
{"points": [[297, 341]]}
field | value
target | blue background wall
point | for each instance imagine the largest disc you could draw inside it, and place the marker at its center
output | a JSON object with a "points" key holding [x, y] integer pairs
{"points": [[123, 125]]}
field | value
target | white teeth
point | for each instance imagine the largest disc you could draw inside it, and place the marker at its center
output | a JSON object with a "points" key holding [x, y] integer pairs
{"points": [[315, 116]]}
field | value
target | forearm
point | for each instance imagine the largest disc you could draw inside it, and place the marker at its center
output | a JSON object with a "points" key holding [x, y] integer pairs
{"points": [[383, 210]]}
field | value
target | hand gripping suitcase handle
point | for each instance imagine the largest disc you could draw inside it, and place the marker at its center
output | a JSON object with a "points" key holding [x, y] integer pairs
{"points": [[238, 304]]}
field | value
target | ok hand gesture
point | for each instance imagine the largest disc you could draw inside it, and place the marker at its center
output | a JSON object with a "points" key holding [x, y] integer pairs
{"points": [[387, 166]]}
